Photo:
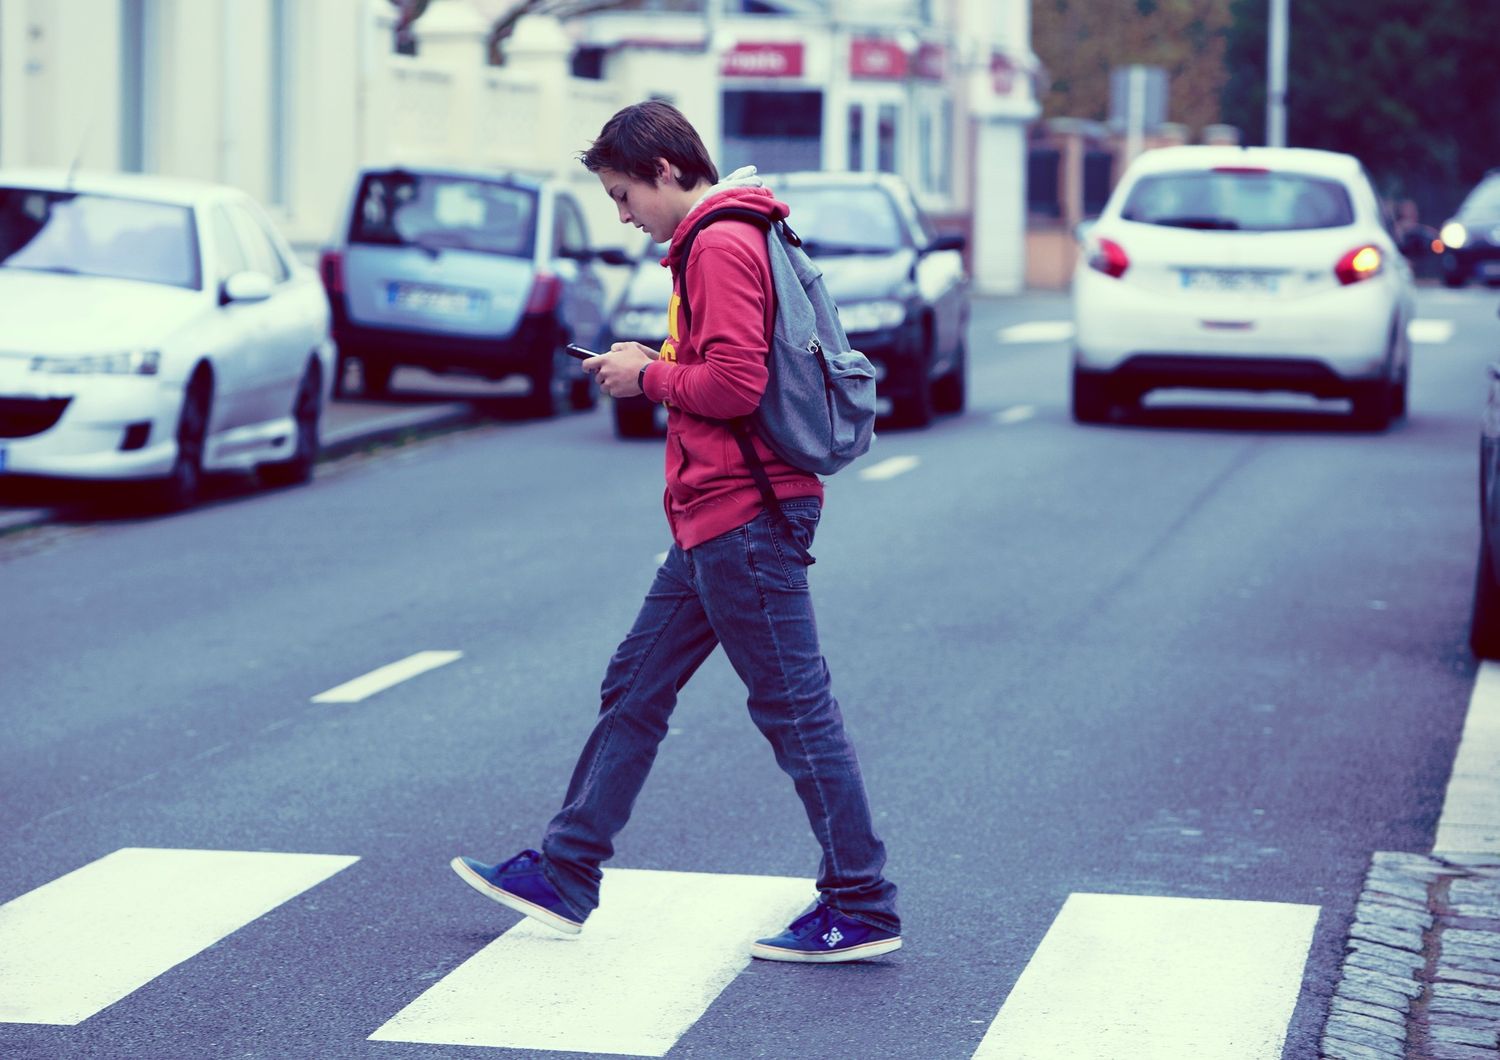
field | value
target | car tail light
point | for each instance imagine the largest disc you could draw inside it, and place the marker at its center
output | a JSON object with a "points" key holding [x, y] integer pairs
{"points": [[1359, 264], [546, 292], [331, 268], [1109, 258]]}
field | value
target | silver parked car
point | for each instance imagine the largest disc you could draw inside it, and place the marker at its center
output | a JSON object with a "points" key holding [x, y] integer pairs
{"points": [[467, 271], [154, 330]]}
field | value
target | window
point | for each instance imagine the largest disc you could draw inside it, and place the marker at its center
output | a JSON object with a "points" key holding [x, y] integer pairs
{"points": [[229, 255], [401, 208], [570, 238], [856, 137], [259, 248], [839, 218], [886, 138], [1242, 200], [98, 235]]}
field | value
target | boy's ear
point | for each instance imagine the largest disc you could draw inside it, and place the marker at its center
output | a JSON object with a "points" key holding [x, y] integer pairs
{"points": [[663, 171]]}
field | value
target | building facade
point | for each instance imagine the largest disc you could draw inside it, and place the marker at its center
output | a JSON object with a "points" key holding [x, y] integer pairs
{"points": [[287, 98]]}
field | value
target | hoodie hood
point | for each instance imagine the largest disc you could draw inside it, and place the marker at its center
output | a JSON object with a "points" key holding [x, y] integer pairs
{"points": [[742, 189]]}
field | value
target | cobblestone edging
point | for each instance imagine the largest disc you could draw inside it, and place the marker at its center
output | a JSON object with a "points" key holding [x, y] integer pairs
{"points": [[1421, 975]]}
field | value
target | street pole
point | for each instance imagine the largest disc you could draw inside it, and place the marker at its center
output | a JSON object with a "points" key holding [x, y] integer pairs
{"points": [[1276, 76]]}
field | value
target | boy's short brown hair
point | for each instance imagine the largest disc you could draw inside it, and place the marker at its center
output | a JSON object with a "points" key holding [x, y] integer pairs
{"points": [[639, 134]]}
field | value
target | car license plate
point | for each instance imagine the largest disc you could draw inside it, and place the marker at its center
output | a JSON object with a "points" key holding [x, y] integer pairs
{"points": [[1248, 281], [420, 298]]}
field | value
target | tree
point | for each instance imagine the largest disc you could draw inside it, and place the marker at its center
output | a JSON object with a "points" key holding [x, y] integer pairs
{"points": [[1407, 86], [1082, 41]]}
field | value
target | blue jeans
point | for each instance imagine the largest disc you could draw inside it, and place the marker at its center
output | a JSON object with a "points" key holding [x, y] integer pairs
{"points": [[746, 590]]}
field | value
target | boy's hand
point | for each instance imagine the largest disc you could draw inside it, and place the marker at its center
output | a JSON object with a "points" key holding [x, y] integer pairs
{"points": [[618, 371]]}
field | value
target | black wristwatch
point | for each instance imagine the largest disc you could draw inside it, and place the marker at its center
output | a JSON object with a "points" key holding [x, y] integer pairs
{"points": [[641, 379]]}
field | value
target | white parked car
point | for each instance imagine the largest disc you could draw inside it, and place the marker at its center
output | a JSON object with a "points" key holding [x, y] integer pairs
{"points": [[154, 330], [1232, 268]]}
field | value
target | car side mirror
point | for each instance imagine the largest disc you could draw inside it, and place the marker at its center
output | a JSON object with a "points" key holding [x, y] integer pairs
{"points": [[948, 241], [245, 287], [614, 256]]}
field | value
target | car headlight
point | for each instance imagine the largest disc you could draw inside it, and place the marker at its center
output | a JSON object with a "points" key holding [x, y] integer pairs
{"points": [[640, 324], [858, 317], [1453, 235], [129, 362]]}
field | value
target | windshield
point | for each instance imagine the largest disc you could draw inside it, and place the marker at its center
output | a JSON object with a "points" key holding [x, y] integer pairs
{"points": [[1239, 200], [98, 235], [445, 213], [844, 220], [1483, 201]]}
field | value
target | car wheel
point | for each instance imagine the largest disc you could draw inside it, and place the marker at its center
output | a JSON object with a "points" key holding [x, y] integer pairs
{"points": [[180, 488], [1484, 624], [547, 385], [1398, 395], [1371, 406], [951, 392], [1454, 274], [635, 417], [1092, 401], [583, 394], [307, 411], [374, 377], [341, 373]]}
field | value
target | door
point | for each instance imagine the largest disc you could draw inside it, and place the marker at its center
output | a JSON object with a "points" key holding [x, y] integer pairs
{"points": [[283, 344]]}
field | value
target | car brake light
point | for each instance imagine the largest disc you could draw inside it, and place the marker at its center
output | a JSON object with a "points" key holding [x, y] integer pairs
{"points": [[331, 268], [546, 292], [1109, 258], [1359, 264]]}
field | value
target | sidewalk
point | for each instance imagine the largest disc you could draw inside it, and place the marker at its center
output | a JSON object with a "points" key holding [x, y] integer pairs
{"points": [[347, 425]]}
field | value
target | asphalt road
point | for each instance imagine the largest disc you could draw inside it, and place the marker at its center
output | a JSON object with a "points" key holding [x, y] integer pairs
{"points": [[1210, 653]]}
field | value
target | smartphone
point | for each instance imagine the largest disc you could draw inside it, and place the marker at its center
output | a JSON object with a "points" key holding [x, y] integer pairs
{"points": [[581, 353]]}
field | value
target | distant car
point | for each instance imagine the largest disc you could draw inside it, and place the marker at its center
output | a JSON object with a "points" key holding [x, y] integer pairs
{"points": [[901, 288], [1484, 623], [1231, 268], [1471, 240], [641, 316], [467, 271], [154, 330]]}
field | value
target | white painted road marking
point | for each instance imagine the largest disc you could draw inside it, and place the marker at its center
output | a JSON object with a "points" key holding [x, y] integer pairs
{"points": [[77, 945], [1470, 822], [889, 468], [1038, 331], [1430, 331], [651, 959], [379, 680], [1132, 978], [1015, 414]]}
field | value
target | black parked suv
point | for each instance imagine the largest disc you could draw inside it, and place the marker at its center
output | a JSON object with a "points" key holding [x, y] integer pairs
{"points": [[1471, 240]]}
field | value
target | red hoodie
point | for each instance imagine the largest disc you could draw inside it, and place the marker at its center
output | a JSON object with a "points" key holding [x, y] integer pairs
{"points": [[717, 369]]}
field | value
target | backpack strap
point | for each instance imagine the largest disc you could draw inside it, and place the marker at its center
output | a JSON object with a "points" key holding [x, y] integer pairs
{"points": [[740, 426]]}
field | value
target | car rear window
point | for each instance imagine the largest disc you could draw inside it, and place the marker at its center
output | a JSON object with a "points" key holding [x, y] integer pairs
{"points": [[98, 235], [1244, 200], [843, 220], [444, 212]]}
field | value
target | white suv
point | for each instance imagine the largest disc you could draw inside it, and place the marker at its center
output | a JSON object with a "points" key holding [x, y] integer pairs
{"points": [[1233, 268]]}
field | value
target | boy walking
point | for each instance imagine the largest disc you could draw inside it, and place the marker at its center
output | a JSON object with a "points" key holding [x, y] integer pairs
{"points": [[732, 577]]}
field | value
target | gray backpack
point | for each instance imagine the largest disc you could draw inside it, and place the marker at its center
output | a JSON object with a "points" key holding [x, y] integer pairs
{"points": [[818, 411]]}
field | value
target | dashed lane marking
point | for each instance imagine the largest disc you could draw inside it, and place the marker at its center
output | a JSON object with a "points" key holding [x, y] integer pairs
{"points": [[1015, 414], [889, 468], [1431, 332], [1131, 978], [75, 946], [362, 688], [652, 958], [1038, 331]]}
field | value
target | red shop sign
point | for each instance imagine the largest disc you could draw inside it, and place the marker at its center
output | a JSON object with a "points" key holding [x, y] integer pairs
{"points": [[772, 59], [875, 58], [931, 61]]}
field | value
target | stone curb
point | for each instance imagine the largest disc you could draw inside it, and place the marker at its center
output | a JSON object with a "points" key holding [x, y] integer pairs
{"points": [[1421, 973]]}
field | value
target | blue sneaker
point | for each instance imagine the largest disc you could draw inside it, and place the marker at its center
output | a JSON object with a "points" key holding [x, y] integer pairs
{"points": [[520, 884], [825, 936]]}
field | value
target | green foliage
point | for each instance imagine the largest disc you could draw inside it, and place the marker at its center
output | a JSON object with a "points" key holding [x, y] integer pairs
{"points": [[1410, 87]]}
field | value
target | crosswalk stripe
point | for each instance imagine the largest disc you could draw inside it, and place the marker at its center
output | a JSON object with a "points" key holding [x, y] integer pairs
{"points": [[1470, 821], [1015, 414], [1129, 978], [78, 944], [889, 468], [1038, 331], [1430, 331], [651, 959], [362, 688]]}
